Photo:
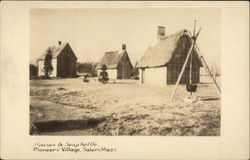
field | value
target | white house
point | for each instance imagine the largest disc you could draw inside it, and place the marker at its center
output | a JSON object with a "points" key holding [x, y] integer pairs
{"points": [[63, 61], [118, 64], [161, 64]]}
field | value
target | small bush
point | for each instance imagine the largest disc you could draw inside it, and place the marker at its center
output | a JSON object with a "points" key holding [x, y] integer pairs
{"points": [[136, 78], [103, 76], [85, 80]]}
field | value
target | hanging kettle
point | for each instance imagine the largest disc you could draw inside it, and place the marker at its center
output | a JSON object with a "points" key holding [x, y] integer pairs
{"points": [[191, 87]]}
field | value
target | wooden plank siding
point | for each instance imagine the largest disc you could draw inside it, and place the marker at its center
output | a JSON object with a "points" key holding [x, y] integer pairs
{"points": [[66, 63], [170, 51], [124, 68], [176, 63]]}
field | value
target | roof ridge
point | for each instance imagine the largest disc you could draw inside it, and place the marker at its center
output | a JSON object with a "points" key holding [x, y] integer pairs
{"points": [[56, 50], [111, 51], [175, 33], [111, 58], [160, 52]]}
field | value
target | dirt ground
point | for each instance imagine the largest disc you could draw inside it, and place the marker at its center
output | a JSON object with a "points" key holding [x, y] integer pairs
{"points": [[124, 107]]}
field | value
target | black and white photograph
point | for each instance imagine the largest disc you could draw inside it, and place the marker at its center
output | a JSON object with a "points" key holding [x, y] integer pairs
{"points": [[125, 72], [124, 80]]}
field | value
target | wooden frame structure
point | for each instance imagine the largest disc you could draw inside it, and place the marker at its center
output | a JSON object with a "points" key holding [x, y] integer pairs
{"points": [[193, 45]]}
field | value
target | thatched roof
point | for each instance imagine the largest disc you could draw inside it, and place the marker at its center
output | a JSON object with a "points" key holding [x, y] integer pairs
{"points": [[56, 50], [161, 53], [111, 59]]}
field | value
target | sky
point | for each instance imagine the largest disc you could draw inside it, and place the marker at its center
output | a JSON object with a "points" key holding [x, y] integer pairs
{"points": [[92, 32]]}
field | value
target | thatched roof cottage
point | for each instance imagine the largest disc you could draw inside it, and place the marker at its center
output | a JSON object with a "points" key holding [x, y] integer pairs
{"points": [[161, 64], [118, 64], [63, 61]]}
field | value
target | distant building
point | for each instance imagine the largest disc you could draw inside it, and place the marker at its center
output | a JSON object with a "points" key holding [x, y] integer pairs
{"points": [[161, 64], [118, 64], [63, 61]]}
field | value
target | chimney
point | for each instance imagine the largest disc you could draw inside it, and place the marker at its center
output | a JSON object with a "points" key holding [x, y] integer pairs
{"points": [[59, 42], [123, 46], [161, 32]]}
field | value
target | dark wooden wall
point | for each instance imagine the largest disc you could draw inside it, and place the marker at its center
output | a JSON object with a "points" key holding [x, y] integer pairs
{"points": [[66, 63], [176, 63], [124, 68]]}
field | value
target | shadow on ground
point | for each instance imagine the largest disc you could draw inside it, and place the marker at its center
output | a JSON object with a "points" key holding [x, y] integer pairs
{"points": [[54, 126], [209, 98]]}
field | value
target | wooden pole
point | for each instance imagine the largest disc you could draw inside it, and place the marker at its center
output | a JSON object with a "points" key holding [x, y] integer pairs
{"points": [[190, 70], [198, 33], [194, 27], [211, 76], [182, 70], [193, 39], [208, 70]]}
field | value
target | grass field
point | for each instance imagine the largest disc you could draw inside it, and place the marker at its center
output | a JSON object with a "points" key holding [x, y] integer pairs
{"points": [[72, 107]]}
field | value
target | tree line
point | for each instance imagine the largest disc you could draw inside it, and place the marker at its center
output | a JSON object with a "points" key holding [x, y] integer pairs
{"points": [[87, 68]]}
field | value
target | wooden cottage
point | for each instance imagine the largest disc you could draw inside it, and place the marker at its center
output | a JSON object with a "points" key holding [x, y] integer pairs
{"points": [[118, 64], [162, 63], [63, 61]]}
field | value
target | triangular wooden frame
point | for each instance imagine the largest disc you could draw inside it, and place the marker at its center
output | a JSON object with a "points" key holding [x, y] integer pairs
{"points": [[193, 45]]}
